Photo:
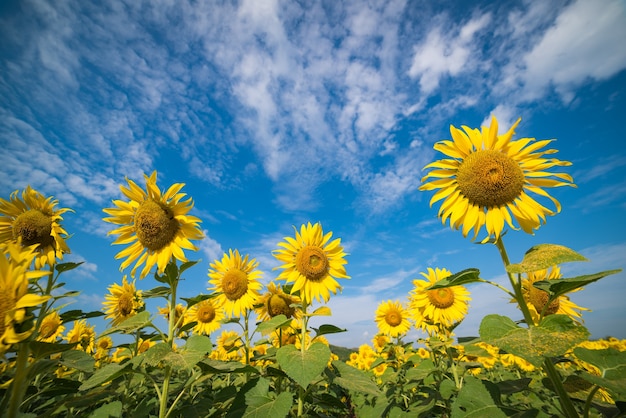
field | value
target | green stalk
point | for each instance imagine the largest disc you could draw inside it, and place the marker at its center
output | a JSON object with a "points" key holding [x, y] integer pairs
{"points": [[171, 331], [305, 323]]}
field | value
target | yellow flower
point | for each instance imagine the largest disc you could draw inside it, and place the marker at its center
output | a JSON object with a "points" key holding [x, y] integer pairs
{"points": [[207, 315], [156, 225], [144, 345], [380, 341], [84, 335], [229, 347], [51, 328], [35, 220], [16, 320], [536, 299], [392, 318], [122, 302], [277, 302], [489, 177], [312, 263], [437, 310], [237, 281]]}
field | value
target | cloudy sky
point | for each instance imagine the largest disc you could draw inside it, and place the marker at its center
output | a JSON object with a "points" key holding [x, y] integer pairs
{"points": [[276, 113]]}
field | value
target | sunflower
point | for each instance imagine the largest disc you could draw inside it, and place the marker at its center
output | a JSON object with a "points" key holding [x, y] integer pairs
{"points": [[489, 177], [438, 309], [277, 302], [312, 263], [536, 299], [237, 281], [16, 323], [392, 318], [122, 302], [228, 347], [51, 328], [179, 313], [84, 335], [207, 315], [156, 225], [35, 219], [380, 341]]}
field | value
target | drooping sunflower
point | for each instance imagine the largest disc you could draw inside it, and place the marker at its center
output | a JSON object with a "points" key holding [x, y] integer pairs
{"points": [[536, 299], [156, 225], [207, 315], [392, 318], [489, 180], [179, 316], [84, 335], [122, 302], [312, 263], [16, 302], [34, 219], [437, 310], [237, 281], [51, 328], [277, 302]]}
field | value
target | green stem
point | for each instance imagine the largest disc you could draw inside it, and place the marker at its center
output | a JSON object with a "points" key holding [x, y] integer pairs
{"points": [[590, 400], [305, 323], [171, 331], [567, 406], [18, 387], [455, 374]]}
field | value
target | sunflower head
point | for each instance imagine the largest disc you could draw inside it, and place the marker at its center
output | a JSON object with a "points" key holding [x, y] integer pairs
{"points": [[83, 335], [155, 225], [277, 302], [51, 328], [392, 318], [33, 219], [490, 179], [207, 315], [123, 301], [312, 262]]}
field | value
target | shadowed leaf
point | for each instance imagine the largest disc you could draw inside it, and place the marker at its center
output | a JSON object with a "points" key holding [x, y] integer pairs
{"points": [[544, 256]]}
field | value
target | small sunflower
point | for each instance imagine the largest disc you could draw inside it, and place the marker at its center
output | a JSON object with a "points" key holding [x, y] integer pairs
{"points": [[380, 341], [312, 263], [179, 316], [488, 178], [122, 302], [277, 302], [536, 299], [156, 225], [207, 315], [438, 309], [392, 318], [228, 347], [16, 323], [51, 328], [84, 335], [35, 220], [237, 281]]}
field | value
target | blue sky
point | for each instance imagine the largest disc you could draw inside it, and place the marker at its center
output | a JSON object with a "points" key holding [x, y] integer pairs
{"points": [[279, 113]]}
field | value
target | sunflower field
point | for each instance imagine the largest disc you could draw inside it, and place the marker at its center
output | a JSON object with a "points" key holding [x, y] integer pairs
{"points": [[275, 364]]}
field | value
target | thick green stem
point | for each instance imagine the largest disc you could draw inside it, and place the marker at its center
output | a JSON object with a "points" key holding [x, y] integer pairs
{"points": [[305, 323], [18, 387], [171, 334], [567, 406]]}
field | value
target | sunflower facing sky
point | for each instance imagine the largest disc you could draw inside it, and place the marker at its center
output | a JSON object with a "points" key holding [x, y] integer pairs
{"points": [[207, 315], [489, 178], [122, 302], [35, 220], [437, 310], [237, 281], [155, 225], [312, 263], [392, 318]]}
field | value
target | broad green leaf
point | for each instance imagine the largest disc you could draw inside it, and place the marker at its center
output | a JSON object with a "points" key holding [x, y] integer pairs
{"points": [[457, 279], [197, 299], [544, 256], [39, 349], [260, 404], [559, 287], [369, 411], [77, 314], [196, 349], [186, 265], [103, 375], [271, 325], [513, 386], [217, 366], [321, 311], [612, 366], [130, 325], [303, 367], [447, 388], [554, 335], [156, 354], [328, 329], [79, 360], [110, 410], [355, 380], [159, 291], [66, 266], [477, 399]]}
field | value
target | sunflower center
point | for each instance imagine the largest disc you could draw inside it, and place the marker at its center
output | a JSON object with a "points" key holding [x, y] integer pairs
{"points": [[34, 227], [235, 284], [206, 313], [441, 298], [312, 263], [393, 318], [155, 225], [48, 328], [539, 299], [277, 305], [490, 178], [125, 304]]}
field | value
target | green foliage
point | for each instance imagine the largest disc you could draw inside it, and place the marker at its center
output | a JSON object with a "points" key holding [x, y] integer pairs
{"points": [[305, 366], [544, 256]]}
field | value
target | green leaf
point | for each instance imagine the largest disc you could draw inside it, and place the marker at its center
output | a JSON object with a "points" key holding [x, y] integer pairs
{"points": [[544, 256], [355, 380], [218, 366], [159, 291], [267, 327], [103, 375], [553, 337], [260, 404], [477, 398], [62, 267], [130, 325], [40, 349], [197, 299], [113, 409], [155, 354], [559, 287], [186, 265], [77, 314], [303, 367], [328, 329], [196, 349], [612, 365], [457, 279], [78, 360]]}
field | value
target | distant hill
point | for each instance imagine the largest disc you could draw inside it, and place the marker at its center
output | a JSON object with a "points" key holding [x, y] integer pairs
{"points": [[342, 352]]}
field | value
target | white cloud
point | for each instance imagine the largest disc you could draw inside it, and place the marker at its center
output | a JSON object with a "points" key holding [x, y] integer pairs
{"points": [[210, 247]]}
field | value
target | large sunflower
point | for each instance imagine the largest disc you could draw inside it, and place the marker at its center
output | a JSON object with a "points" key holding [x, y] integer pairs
{"points": [[392, 318], [277, 302], [536, 299], [437, 310], [122, 302], [155, 225], [16, 323], [35, 220], [237, 281], [207, 315], [312, 263], [488, 178]]}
